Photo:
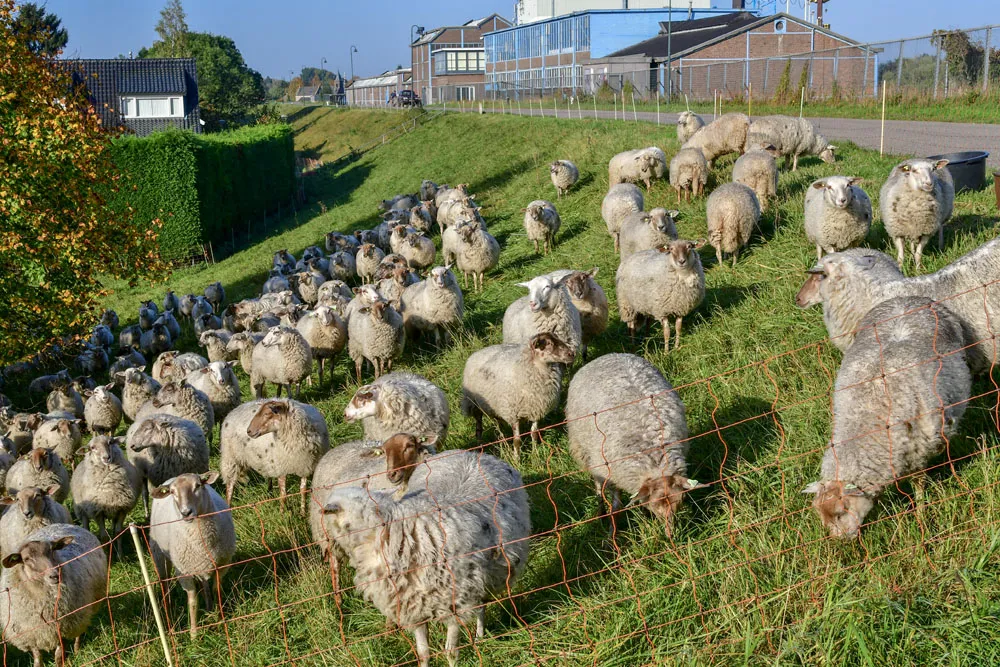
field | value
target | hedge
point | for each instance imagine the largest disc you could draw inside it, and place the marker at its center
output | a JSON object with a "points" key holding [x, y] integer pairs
{"points": [[201, 185]]}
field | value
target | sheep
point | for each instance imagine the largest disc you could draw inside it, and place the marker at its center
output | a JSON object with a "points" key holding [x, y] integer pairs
{"points": [[435, 305], [215, 343], [25, 512], [453, 212], [726, 134], [8, 456], [282, 357], [791, 137], [44, 384], [168, 320], [641, 165], [201, 307], [163, 446], [155, 341], [206, 322], [332, 292], [307, 284], [647, 230], [732, 211], [367, 260], [187, 304], [105, 485], [688, 122], [21, 431], [326, 334], [915, 201], [42, 468], [422, 217], [418, 250], [391, 289], [547, 308], [192, 531], [133, 359], [564, 175], [109, 318], [541, 222], [275, 283], [375, 333], [137, 390], [176, 366], [171, 302], [342, 266], [335, 242], [58, 573], [65, 398], [665, 282], [900, 393], [148, 312], [130, 337], [515, 382], [101, 336], [275, 438], [219, 383], [838, 214], [850, 283], [181, 399], [589, 299], [242, 344], [103, 410], [758, 170], [92, 361], [627, 429], [477, 253], [689, 173], [284, 261], [399, 203], [428, 189], [400, 403], [447, 193]]}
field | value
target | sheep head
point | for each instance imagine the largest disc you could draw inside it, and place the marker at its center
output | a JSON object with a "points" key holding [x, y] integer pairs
{"points": [[663, 494], [832, 274], [103, 450], [41, 559], [189, 493], [579, 283], [919, 174], [547, 349], [837, 190], [681, 254], [403, 452], [43, 458], [543, 293], [842, 507]]}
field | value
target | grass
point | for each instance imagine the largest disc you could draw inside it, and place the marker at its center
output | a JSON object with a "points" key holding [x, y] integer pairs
{"points": [[329, 133], [748, 577]]}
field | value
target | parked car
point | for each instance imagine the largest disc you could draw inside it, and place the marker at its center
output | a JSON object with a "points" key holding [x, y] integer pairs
{"points": [[408, 98]]}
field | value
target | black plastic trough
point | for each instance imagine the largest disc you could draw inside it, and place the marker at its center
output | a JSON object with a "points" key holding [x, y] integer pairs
{"points": [[967, 169]]}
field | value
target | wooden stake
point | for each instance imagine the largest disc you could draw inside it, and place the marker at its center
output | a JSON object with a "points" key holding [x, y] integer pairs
{"points": [[881, 144], [635, 116], [802, 101], [750, 99], [149, 591]]}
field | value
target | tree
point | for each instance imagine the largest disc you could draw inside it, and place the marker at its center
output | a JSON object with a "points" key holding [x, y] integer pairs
{"points": [[60, 237], [173, 30], [293, 86], [43, 30]]}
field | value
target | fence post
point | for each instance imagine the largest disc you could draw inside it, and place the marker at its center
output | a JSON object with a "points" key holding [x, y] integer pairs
{"points": [[986, 60], [937, 66], [149, 591], [899, 66], [881, 143], [864, 80], [767, 67], [708, 81]]}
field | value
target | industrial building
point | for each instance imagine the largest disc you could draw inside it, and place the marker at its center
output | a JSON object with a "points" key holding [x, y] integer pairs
{"points": [[376, 91], [529, 11], [452, 59]]}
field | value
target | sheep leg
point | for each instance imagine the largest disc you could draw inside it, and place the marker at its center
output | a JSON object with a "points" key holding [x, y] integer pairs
{"points": [[665, 322], [60, 653], [479, 426], [819, 252], [617, 243], [535, 435], [451, 643], [335, 577], [302, 492], [536, 247], [207, 592], [900, 251], [736, 256], [480, 623], [282, 487], [677, 191], [677, 329], [145, 499], [919, 253], [941, 237], [718, 256], [357, 369], [229, 491], [76, 643], [423, 650], [465, 280], [37, 654], [192, 594], [102, 528], [517, 440], [795, 162]]}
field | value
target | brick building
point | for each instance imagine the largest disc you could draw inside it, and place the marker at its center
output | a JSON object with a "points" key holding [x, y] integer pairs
{"points": [[376, 91], [449, 63]]}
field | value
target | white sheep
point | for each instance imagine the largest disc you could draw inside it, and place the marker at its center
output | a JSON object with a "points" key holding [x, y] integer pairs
{"points": [[645, 230], [564, 175], [103, 410], [220, 385], [400, 403], [25, 512], [164, 446], [726, 134], [547, 308], [541, 222], [105, 486], [375, 334], [791, 137], [643, 165], [621, 201], [433, 305], [688, 122], [838, 214], [733, 212], [477, 252], [758, 170], [915, 202], [283, 357], [589, 299], [42, 468]]}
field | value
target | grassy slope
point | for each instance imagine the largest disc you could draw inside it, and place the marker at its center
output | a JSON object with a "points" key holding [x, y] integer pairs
{"points": [[331, 132], [748, 577]]}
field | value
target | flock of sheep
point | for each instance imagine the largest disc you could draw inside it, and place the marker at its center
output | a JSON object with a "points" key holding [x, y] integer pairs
{"points": [[433, 534]]}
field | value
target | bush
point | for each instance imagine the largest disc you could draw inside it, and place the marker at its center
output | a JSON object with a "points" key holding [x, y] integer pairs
{"points": [[782, 93]]}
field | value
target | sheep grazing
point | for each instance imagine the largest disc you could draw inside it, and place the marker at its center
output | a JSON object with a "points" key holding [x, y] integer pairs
{"points": [[215, 343], [838, 214], [643, 165], [109, 318], [900, 393], [375, 333], [434, 305], [103, 410], [275, 438], [181, 399], [758, 170], [732, 212], [25, 512], [400, 403], [514, 383], [477, 253], [647, 230], [915, 202], [627, 428], [791, 137], [726, 134], [326, 335], [137, 390], [65, 398], [621, 201], [589, 299], [564, 175], [58, 567], [688, 122], [665, 282], [282, 357], [191, 531], [542, 222], [155, 341], [367, 260], [41, 468], [219, 383], [105, 486], [164, 446], [547, 308]]}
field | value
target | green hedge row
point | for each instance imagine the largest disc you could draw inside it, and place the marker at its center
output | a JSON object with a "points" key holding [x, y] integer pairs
{"points": [[201, 185]]}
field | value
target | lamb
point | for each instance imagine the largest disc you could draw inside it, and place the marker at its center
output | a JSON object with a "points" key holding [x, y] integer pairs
{"points": [[275, 438], [175, 366], [433, 305], [171, 302], [589, 299], [838, 214], [155, 341], [41, 468], [647, 230], [547, 308], [25, 512], [242, 344], [477, 253], [627, 428], [168, 320], [758, 170], [726, 134], [418, 250], [105, 485], [689, 173], [282, 357], [400, 403], [326, 334], [215, 343], [375, 333], [219, 383], [791, 137], [621, 201], [661, 283], [367, 260], [900, 393], [58, 567], [642, 165], [163, 446], [732, 211], [181, 399], [515, 382], [564, 175], [65, 398], [915, 202], [688, 122], [541, 222], [137, 390], [133, 359], [191, 530]]}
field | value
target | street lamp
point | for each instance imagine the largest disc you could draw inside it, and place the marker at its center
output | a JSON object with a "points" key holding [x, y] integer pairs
{"points": [[419, 29], [354, 50]]}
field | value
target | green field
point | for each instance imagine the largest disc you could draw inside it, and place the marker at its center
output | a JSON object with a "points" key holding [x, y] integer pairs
{"points": [[749, 576]]}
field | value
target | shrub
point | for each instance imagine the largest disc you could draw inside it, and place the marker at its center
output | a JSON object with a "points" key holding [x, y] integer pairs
{"points": [[782, 93]]}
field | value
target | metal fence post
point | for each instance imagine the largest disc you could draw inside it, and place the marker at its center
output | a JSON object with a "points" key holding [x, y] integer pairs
{"points": [[767, 67], [937, 66], [899, 66], [986, 60]]}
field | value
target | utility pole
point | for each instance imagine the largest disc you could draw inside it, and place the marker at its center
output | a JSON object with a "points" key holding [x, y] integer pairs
{"points": [[819, 11], [670, 51]]}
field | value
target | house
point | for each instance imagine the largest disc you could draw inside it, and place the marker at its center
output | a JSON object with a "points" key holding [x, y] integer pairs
{"points": [[449, 63], [375, 91], [307, 94], [142, 95]]}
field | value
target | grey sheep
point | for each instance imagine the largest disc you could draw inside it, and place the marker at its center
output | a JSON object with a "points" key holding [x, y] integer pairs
{"points": [[367, 260], [62, 436], [44, 384], [589, 299], [758, 170], [643, 165], [915, 202], [42, 468], [173, 365], [564, 175], [275, 283], [65, 398], [274, 438], [103, 410], [284, 261], [148, 312], [215, 343], [201, 306], [216, 296], [282, 357], [133, 359], [514, 383], [733, 212], [455, 211], [171, 302], [665, 282], [137, 390], [477, 253], [428, 190], [447, 193], [422, 217], [400, 403], [155, 341], [724, 135], [168, 320], [342, 266], [25, 512], [219, 383], [187, 304], [307, 284], [163, 446], [688, 122], [627, 429], [206, 322], [433, 305], [542, 222], [105, 486], [109, 318], [181, 399], [8, 455], [399, 203], [621, 201], [547, 308], [57, 567], [326, 334], [838, 214], [130, 338], [101, 336], [647, 230], [375, 333], [242, 345], [333, 291], [191, 530], [92, 361], [335, 242], [21, 431], [791, 137], [900, 393]]}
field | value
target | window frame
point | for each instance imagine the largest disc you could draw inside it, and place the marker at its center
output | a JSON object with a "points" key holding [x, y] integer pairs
{"points": [[130, 106]]}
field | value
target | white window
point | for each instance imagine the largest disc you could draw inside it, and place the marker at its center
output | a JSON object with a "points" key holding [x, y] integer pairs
{"points": [[465, 93], [152, 107]]}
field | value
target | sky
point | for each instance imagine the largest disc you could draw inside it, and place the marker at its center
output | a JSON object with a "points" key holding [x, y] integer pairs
{"points": [[276, 38]]}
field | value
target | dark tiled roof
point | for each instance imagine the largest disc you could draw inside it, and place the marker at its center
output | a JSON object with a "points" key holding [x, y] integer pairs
{"points": [[306, 91], [687, 35]]}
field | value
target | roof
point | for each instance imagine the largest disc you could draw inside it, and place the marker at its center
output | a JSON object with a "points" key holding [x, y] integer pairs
{"points": [[432, 35], [306, 91], [593, 12], [478, 23], [389, 78]]}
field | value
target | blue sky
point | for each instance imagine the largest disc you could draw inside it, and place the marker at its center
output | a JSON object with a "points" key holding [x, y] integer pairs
{"points": [[278, 37]]}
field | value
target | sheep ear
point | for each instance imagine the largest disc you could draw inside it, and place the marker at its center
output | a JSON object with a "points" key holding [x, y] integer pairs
{"points": [[833, 148], [662, 248], [700, 243], [820, 185], [88, 393], [593, 271], [62, 542], [812, 488], [109, 386], [160, 492], [332, 507], [524, 285], [11, 560], [52, 490], [941, 164], [209, 477], [692, 484], [8, 500], [232, 364], [866, 262], [428, 445], [674, 214], [854, 180]]}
